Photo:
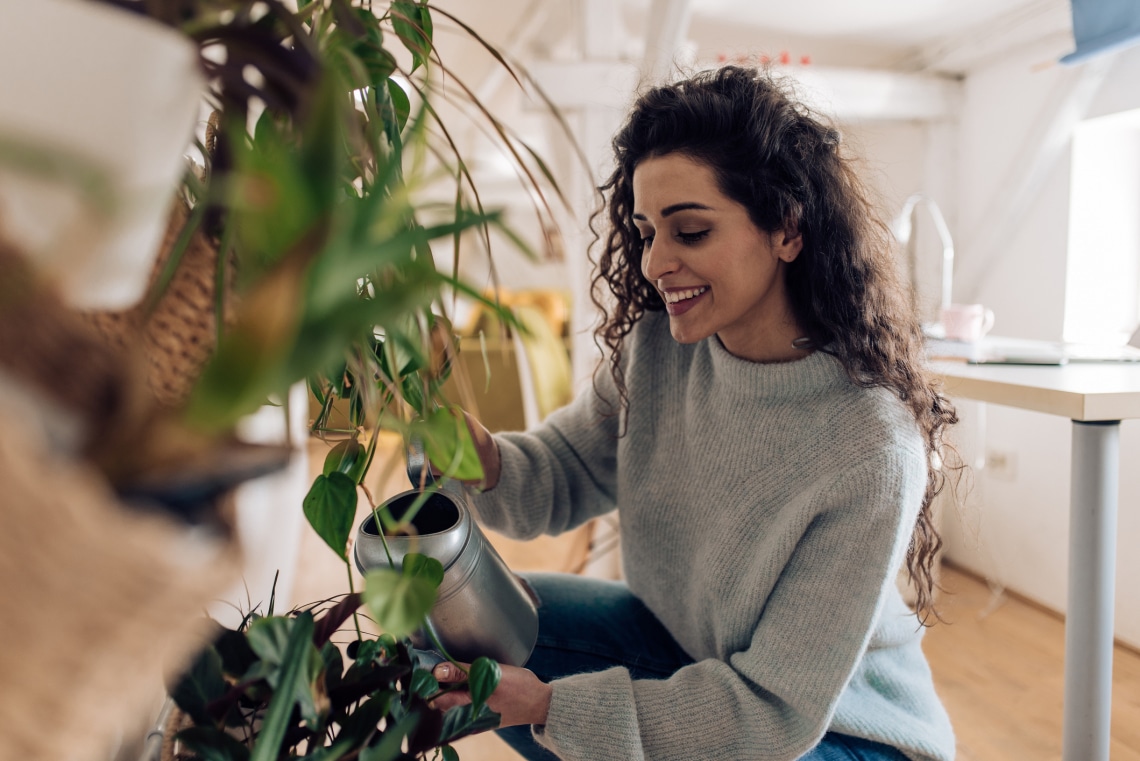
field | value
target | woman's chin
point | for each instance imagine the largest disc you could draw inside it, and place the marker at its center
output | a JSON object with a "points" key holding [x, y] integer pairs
{"points": [[685, 335]]}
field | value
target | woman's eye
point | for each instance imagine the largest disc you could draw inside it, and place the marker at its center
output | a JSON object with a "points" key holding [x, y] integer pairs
{"points": [[690, 238], [646, 241]]}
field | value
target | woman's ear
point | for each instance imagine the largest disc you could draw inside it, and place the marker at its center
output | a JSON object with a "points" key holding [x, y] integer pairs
{"points": [[787, 244]]}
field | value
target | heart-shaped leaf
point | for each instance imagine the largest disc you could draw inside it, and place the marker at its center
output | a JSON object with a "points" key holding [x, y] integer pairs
{"points": [[448, 443], [422, 566], [399, 602], [482, 679], [348, 457], [330, 507]]}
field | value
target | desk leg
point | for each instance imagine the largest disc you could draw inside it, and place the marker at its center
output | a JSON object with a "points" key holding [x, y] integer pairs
{"points": [[1092, 572]]}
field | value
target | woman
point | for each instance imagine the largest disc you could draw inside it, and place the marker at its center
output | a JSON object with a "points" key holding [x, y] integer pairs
{"points": [[768, 432]]}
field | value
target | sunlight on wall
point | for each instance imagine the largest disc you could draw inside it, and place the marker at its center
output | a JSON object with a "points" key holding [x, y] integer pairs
{"points": [[1102, 302]]}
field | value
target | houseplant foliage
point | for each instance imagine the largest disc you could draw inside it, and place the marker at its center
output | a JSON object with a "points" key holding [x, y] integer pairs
{"points": [[280, 688], [314, 187]]}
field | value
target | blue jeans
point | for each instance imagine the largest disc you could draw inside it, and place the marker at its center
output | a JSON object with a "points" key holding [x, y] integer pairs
{"points": [[587, 624]]}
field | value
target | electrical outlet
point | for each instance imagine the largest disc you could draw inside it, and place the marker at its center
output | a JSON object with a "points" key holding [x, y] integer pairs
{"points": [[1001, 464]]}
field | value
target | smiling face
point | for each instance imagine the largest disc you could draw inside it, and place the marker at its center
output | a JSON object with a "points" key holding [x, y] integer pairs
{"points": [[717, 272]]}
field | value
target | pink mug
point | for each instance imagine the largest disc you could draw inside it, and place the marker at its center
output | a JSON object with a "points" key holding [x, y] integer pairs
{"points": [[967, 322]]}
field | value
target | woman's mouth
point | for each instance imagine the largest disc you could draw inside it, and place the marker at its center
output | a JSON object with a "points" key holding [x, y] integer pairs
{"points": [[680, 301]]}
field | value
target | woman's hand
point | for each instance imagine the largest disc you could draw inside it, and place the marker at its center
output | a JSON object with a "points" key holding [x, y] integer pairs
{"points": [[520, 698]]}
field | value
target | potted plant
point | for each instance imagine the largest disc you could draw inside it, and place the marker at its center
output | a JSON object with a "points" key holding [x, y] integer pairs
{"points": [[314, 192], [313, 187]]}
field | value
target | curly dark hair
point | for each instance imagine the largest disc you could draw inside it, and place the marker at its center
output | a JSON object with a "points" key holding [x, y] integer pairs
{"points": [[785, 165]]}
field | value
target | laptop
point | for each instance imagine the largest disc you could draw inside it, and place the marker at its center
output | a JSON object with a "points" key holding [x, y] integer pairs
{"points": [[999, 350]]}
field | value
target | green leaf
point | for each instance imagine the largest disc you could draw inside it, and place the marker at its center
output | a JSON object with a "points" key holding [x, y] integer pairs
{"points": [[212, 744], [330, 507], [201, 684], [362, 723], [482, 679], [367, 651], [347, 457], [408, 25], [295, 661], [336, 751], [424, 684], [391, 740], [449, 445], [237, 656], [399, 602], [416, 564], [449, 753], [401, 105], [333, 667], [269, 637], [461, 721]]}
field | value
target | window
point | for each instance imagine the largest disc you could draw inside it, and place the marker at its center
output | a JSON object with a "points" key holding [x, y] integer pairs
{"points": [[1102, 285]]}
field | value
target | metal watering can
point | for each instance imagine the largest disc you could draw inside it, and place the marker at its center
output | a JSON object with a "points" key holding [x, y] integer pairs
{"points": [[483, 609]]}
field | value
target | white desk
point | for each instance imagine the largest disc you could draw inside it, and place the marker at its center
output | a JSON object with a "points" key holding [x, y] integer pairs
{"points": [[1096, 397]]}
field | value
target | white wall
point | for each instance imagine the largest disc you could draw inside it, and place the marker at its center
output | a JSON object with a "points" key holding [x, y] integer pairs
{"points": [[1013, 527]]}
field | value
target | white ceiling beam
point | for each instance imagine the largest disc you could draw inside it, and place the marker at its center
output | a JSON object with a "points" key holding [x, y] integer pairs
{"points": [[665, 37], [587, 84], [875, 95]]}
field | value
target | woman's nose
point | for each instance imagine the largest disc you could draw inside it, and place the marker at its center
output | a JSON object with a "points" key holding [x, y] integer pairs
{"points": [[658, 261]]}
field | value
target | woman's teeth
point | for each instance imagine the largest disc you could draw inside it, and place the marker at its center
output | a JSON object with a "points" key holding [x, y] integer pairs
{"points": [[674, 296]]}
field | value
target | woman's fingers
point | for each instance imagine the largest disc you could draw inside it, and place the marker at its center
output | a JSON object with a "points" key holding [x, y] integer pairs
{"points": [[447, 672]]}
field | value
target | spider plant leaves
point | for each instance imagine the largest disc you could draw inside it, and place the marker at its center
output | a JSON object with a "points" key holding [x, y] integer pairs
{"points": [[330, 508], [247, 366]]}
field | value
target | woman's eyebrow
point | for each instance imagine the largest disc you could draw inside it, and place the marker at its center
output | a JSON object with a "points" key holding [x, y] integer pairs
{"points": [[668, 210]]}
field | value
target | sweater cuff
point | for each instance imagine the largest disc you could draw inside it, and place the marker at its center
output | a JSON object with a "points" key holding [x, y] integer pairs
{"points": [[591, 717]]}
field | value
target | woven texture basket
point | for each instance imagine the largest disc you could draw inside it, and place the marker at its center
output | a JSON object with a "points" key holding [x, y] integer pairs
{"points": [[179, 335], [100, 600]]}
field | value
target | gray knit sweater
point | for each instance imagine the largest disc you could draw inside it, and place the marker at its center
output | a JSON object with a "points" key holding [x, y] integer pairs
{"points": [[765, 510]]}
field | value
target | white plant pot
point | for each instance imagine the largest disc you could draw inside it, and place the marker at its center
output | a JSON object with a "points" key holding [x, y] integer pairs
{"points": [[92, 89]]}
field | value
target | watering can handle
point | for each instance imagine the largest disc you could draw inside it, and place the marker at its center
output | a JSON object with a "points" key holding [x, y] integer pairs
{"points": [[419, 472]]}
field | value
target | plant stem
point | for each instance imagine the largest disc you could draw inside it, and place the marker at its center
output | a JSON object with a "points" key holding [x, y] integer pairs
{"points": [[352, 591], [379, 526], [430, 631]]}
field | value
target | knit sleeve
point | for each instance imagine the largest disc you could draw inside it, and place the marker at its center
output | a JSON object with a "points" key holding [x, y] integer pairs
{"points": [[556, 476], [774, 699]]}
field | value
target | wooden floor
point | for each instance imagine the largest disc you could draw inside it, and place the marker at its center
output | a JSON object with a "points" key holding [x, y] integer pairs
{"points": [[998, 665], [997, 661]]}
